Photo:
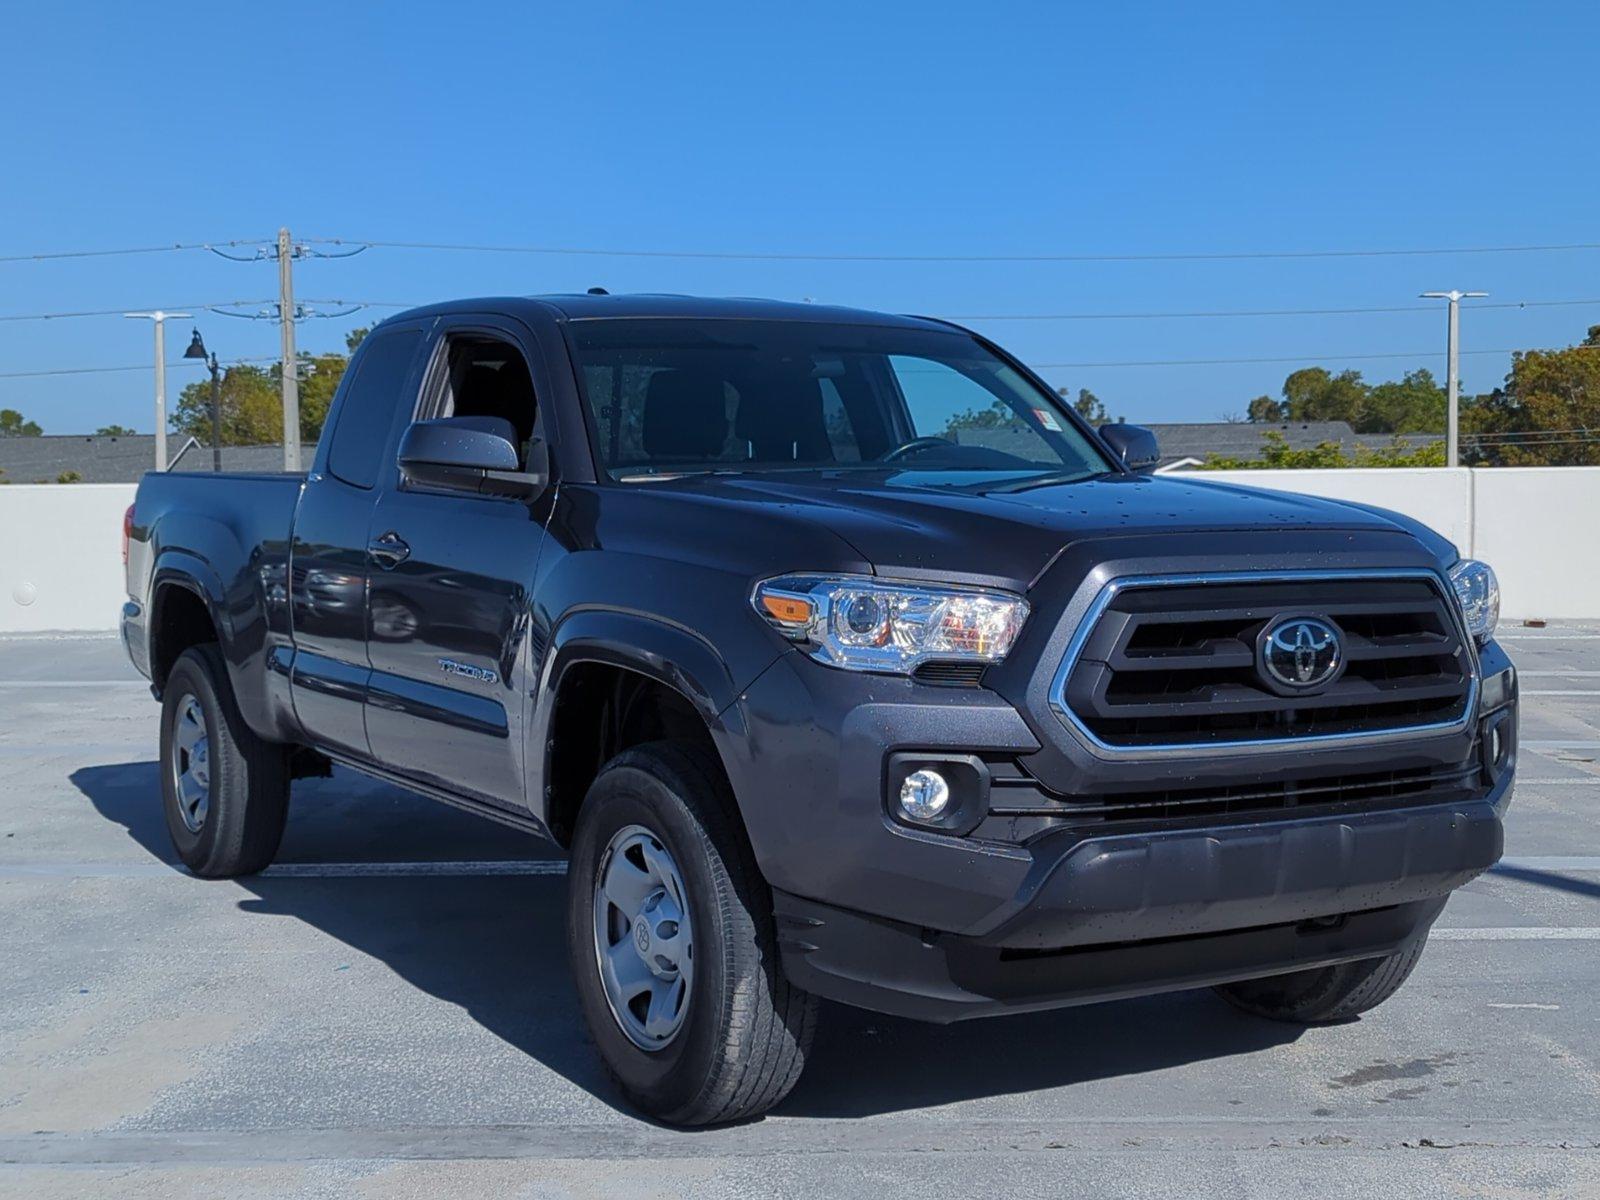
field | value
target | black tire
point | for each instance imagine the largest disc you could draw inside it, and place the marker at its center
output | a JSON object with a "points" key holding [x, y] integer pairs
{"points": [[1325, 995], [248, 794], [746, 1031]]}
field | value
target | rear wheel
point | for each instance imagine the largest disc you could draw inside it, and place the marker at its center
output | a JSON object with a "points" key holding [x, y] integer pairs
{"points": [[1323, 995], [670, 932], [225, 790]]}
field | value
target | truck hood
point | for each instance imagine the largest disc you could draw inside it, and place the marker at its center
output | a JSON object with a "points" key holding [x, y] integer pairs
{"points": [[1002, 529]]}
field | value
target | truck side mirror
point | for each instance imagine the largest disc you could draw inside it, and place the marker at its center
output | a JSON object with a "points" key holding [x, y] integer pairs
{"points": [[469, 454], [1134, 445]]}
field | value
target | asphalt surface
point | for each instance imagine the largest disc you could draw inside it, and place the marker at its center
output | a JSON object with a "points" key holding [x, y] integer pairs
{"points": [[387, 1013]]}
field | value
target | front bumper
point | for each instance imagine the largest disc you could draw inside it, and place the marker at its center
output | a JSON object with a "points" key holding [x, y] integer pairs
{"points": [[1133, 914], [940, 927], [897, 969]]}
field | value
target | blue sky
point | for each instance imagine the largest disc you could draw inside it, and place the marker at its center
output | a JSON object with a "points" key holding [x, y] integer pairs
{"points": [[858, 129]]}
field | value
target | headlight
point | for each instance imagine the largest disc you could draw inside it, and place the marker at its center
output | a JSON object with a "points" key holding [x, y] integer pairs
{"points": [[868, 624], [1479, 593]]}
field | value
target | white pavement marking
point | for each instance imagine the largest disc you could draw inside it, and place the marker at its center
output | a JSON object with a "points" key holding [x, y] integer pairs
{"points": [[23, 684], [330, 870], [1558, 674], [1547, 637], [85, 636], [139, 750], [1520, 933], [1542, 781], [1560, 692], [1556, 744], [1537, 1007], [1550, 862]]}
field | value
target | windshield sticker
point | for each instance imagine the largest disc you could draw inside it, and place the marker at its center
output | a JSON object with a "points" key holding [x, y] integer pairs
{"points": [[1047, 419]]}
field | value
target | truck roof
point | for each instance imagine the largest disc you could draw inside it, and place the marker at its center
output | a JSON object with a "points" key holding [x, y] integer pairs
{"points": [[583, 307]]}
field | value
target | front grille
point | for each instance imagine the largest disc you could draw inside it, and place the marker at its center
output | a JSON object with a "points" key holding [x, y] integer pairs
{"points": [[1370, 790], [1174, 663]]}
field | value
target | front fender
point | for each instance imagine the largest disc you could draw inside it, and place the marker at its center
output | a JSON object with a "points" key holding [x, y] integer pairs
{"points": [[670, 654]]}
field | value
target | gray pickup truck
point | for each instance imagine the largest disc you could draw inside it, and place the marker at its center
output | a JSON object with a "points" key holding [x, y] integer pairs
{"points": [[843, 661]]}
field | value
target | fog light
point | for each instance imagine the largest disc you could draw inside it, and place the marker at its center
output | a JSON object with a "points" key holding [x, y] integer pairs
{"points": [[924, 795]]}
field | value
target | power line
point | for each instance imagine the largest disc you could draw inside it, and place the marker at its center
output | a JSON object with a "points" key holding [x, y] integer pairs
{"points": [[1520, 433], [110, 370], [48, 256], [1251, 312], [1308, 359], [790, 256], [116, 312]]}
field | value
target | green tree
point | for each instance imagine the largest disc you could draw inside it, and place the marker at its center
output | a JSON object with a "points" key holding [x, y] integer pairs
{"points": [[1547, 413], [1278, 455], [1315, 394], [115, 431], [252, 399], [1415, 403], [1264, 410], [13, 424], [1088, 406], [999, 415], [319, 378], [252, 409]]}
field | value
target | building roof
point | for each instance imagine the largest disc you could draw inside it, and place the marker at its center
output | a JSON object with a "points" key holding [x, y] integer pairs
{"points": [[96, 459]]}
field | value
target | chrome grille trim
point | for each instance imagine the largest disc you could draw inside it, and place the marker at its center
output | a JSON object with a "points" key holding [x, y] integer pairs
{"points": [[1108, 593]]}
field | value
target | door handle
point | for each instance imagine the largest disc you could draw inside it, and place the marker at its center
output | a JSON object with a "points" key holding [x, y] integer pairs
{"points": [[389, 550]]}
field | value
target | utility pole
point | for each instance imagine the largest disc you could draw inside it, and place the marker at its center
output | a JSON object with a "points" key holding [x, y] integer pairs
{"points": [[1452, 434], [290, 382], [158, 318]]}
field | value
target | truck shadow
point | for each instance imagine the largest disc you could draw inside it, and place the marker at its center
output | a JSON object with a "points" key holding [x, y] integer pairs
{"points": [[494, 946]]}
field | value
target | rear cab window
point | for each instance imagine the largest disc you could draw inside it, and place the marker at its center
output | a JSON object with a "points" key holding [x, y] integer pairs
{"points": [[373, 399]]}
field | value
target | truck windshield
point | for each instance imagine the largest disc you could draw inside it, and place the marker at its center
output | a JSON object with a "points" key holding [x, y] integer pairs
{"points": [[674, 395]]}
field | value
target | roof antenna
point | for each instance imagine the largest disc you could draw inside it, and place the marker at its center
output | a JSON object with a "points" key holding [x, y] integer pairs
{"points": [[598, 291]]}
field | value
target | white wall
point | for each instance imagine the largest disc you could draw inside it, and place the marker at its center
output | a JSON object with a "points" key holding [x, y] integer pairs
{"points": [[1539, 527], [61, 555]]}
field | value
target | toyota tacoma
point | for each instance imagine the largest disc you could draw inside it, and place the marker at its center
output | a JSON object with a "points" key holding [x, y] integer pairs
{"points": [[844, 662]]}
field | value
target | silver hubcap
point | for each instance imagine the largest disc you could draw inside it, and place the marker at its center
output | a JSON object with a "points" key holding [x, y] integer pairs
{"points": [[643, 942], [191, 764]]}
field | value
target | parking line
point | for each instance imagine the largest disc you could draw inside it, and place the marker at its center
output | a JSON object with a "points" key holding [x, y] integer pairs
{"points": [[1558, 674], [1560, 692], [311, 870], [1547, 637], [1552, 862], [1556, 744], [1519, 933], [18, 684]]}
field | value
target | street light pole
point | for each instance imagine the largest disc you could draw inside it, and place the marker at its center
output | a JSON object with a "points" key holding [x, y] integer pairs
{"points": [[197, 349], [1452, 434], [158, 318], [216, 415]]}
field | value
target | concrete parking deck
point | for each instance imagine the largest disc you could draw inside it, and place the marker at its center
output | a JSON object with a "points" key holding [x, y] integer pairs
{"points": [[387, 1012]]}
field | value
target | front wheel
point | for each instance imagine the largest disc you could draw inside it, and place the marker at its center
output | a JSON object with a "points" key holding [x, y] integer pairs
{"points": [[673, 949], [1323, 995]]}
